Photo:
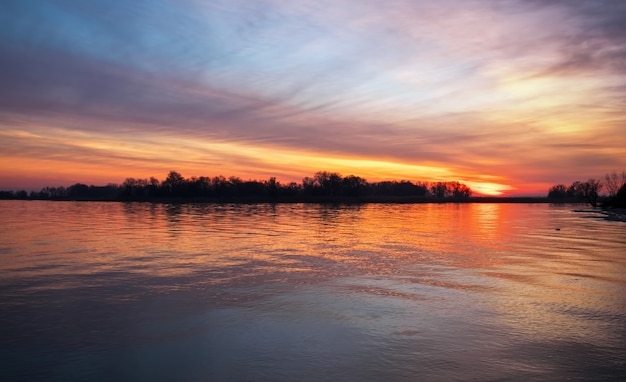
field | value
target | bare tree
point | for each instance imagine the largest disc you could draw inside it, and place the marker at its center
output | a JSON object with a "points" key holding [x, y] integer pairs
{"points": [[613, 182], [588, 190]]}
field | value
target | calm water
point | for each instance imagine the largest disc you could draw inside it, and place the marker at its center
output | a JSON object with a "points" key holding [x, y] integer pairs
{"points": [[113, 291]]}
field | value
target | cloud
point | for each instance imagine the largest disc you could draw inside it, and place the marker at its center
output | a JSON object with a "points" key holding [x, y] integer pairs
{"points": [[479, 87], [597, 41]]}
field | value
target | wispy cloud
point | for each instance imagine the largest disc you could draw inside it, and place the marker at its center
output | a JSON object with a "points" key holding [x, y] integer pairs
{"points": [[470, 90]]}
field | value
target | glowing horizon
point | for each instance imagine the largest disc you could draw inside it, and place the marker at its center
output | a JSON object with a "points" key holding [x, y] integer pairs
{"points": [[509, 98]]}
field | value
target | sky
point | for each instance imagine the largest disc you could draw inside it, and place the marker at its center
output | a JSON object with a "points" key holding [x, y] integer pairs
{"points": [[509, 97]]}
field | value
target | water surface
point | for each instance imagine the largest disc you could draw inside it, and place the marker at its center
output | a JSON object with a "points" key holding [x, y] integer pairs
{"points": [[140, 291]]}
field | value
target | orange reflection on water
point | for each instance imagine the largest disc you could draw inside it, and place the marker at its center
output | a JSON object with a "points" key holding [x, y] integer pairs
{"points": [[227, 242], [535, 280]]}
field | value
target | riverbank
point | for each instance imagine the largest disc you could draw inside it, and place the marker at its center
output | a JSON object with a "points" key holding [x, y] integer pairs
{"points": [[383, 199], [615, 214]]}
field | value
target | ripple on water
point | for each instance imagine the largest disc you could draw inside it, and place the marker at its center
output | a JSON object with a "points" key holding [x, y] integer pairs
{"points": [[133, 291]]}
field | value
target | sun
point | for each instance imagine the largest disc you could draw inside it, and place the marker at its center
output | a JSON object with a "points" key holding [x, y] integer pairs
{"points": [[489, 189]]}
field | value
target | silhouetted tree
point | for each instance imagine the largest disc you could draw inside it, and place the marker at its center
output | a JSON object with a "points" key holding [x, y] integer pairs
{"points": [[587, 191], [77, 190], [153, 187], [134, 188], [558, 191], [573, 190], [439, 189], [173, 184], [22, 194], [327, 183], [272, 187], [308, 186], [619, 200], [251, 188], [220, 186], [200, 187], [292, 189], [613, 182], [459, 190], [322, 185], [353, 185], [54, 192]]}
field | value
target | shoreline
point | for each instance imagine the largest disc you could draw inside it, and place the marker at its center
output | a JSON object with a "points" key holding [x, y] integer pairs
{"points": [[326, 200], [610, 214], [615, 214]]}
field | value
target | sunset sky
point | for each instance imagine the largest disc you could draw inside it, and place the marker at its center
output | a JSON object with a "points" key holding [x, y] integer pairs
{"points": [[506, 96]]}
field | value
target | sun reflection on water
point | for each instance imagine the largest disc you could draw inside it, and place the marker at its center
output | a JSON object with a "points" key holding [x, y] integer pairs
{"points": [[394, 287]]}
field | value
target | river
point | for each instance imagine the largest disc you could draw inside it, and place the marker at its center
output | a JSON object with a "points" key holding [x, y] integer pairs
{"points": [[260, 292]]}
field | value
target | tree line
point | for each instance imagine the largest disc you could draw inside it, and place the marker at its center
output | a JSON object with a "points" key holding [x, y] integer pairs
{"points": [[322, 186], [589, 190]]}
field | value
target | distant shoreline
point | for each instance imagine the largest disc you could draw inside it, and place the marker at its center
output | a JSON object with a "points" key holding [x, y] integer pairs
{"points": [[328, 200]]}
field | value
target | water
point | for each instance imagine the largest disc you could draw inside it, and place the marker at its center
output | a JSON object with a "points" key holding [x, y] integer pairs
{"points": [[432, 292]]}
